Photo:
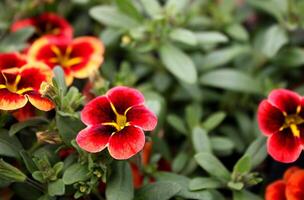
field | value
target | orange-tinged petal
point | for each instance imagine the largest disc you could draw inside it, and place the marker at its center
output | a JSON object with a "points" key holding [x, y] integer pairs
{"points": [[11, 101], [294, 186], [39, 102], [276, 191], [90, 50], [289, 172]]}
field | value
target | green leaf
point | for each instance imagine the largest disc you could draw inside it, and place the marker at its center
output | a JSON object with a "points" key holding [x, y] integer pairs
{"points": [[257, 151], [177, 123], [194, 114], [222, 145], [56, 188], [162, 190], [271, 41], [204, 183], [120, 185], [237, 32], [68, 127], [221, 57], [183, 35], [178, 63], [16, 41], [10, 173], [245, 195], [59, 80], [212, 165], [35, 121], [74, 173], [152, 7], [210, 37], [176, 6], [214, 120], [110, 35], [179, 162], [28, 161], [290, 57], [9, 145], [127, 7], [231, 79], [243, 165], [200, 140], [112, 17]]}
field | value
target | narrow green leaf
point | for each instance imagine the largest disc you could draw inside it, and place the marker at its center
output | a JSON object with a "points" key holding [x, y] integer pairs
{"points": [[243, 165], [177, 123], [112, 17], [183, 35], [222, 145], [35, 121], [231, 79], [178, 63], [210, 37], [200, 140], [214, 120], [200, 183], [290, 57], [28, 161], [74, 173], [179, 162], [152, 7], [9, 145], [212, 165], [120, 185], [257, 151], [127, 7]]}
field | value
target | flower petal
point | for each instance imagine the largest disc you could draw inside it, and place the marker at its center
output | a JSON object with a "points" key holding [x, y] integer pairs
{"points": [[126, 143], [284, 147], [270, 118], [142, 117], [124, 98], [289, 172], [11, 101], [98, 111], [294, 186], [90, 50], [40, 102], [276, 191], [286, 100], [95, 138], [24, 113], [10, 60]]}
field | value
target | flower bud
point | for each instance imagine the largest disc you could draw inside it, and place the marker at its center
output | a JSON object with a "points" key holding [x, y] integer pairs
{"points": [[10, 173]]}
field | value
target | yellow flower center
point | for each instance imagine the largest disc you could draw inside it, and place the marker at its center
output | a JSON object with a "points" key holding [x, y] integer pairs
{"points": [[121, 120], [292, 121], [13, 87], [64, 59]]}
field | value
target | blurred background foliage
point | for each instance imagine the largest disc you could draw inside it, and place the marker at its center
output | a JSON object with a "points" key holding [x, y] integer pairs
{"points": [[203, 66]]}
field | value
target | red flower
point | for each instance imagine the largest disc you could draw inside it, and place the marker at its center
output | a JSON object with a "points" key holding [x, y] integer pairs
{"points": [[18, 86], [10, 60], [78, 58], [281, 118], [46, 24], [116, 120], [289, 188]]}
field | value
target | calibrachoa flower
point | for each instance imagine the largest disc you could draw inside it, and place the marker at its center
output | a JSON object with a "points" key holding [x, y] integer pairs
{"points": [[78, 58], [281, 119], [46, 24], [117, 121], [18, 86], [289, 188], [10, 60]]}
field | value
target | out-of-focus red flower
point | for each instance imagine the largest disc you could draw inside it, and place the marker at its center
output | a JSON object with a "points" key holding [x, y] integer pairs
{"points": [[78, 58], [289, 188], [117, 121], [11, 60], [46, 24], [65, 152], [19, 86], [24, 113], [281, 119]]}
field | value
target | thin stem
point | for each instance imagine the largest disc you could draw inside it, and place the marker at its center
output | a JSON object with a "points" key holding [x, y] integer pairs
{"points": [[34, 184]]}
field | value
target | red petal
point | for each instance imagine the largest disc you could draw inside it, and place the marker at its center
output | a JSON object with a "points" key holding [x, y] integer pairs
{"points": [[10, 60], [90, 50], [286, 100], [40, 71], [275, 191], [126, 143], [97, 111], [294, 186], [24, 113], [124, 98], [11, 101], [39, 102], [142, 117], [270, 118], [22, 24], [137, 175], [95, 138], [284, 147], [289, 172]]}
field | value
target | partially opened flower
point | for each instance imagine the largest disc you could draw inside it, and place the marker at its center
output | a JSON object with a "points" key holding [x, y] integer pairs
{"points": [[288, 188], [281, 119], [117, 121], [78, 58], [46, 24], [18, 86]]}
